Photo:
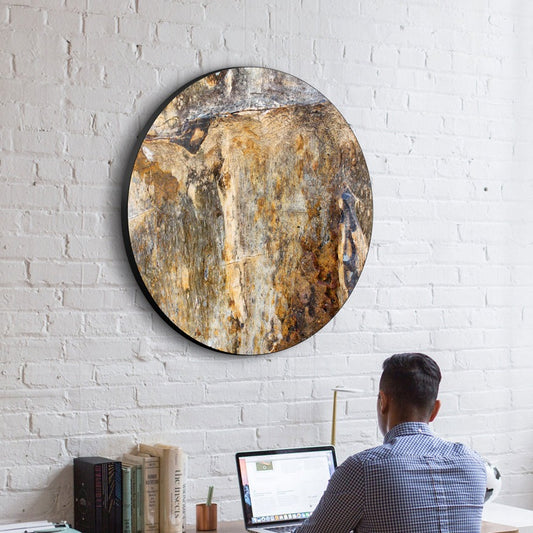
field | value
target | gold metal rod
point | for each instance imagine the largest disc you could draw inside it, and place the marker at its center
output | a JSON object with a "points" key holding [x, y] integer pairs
{"points": [[334, 418]]}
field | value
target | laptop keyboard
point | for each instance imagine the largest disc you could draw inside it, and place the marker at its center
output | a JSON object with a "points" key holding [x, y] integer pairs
{"points": [[282, 529]]}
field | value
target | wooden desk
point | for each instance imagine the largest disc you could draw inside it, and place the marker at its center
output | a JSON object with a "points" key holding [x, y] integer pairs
{"points": [[238, 527], [491, 527]]}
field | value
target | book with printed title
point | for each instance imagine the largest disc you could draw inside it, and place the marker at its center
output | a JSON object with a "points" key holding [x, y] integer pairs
{"points": [[172, 463]]}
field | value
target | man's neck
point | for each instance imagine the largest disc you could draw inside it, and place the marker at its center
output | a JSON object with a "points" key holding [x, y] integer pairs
{"points": [[407, 428], [395, 420]]}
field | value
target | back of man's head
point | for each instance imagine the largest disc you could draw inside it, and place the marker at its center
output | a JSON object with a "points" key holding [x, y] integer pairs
{"points": [[412, 381]]}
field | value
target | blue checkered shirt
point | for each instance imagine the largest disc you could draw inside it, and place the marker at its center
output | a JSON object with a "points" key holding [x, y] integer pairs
{"points": [[413, 483]]}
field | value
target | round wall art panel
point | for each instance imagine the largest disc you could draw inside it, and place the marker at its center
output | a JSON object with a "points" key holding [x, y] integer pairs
{"points": [[248, 211]]}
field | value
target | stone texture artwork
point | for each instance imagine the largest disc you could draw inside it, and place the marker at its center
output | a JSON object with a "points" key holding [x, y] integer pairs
{"points": [[248, 211]]}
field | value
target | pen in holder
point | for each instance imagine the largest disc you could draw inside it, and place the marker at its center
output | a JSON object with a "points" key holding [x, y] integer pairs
{"points": [[206, 513]]}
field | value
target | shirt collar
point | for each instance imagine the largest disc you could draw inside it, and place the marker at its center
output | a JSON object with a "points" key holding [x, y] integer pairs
{"points": [[408, 428]]}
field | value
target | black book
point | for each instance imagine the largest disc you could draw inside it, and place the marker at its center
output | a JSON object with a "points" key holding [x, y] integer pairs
{"points": [[115, 496], [97, 495]]}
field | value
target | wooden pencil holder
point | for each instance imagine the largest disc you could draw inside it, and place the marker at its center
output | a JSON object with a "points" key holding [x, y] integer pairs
{"points": [[206, 517]]}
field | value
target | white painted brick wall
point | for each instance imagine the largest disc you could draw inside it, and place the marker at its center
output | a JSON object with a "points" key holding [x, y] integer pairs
{"points": [[438, 94]]}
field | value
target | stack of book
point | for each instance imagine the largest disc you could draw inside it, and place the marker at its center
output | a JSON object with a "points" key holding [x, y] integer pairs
{"points": [[152, 492], [97, 495]]}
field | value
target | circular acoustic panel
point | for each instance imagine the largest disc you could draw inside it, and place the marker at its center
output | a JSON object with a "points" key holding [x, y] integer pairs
{"points": [[248, 211]]}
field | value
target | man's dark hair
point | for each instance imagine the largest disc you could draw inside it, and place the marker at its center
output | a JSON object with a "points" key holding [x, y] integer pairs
{"points": [[412, 380]]}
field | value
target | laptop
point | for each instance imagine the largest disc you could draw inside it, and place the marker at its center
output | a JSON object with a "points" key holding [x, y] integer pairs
{"points": [[281, 488]]}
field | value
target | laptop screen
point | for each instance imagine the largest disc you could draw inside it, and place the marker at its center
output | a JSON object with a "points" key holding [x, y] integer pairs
{"points": [[283, 485]]}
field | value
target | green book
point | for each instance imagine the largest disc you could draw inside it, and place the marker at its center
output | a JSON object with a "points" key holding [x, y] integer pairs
{"points": [[149, 489], [136, 499], [137, 515]]}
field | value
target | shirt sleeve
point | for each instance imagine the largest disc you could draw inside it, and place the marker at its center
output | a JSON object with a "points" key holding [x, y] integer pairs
{"points": [[341, 507]]}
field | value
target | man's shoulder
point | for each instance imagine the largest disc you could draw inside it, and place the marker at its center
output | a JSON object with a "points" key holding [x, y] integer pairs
{"points": [[415, 446], [371, 454]]}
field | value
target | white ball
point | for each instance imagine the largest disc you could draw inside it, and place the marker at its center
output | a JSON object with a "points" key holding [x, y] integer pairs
{"points": [[494, 482]]}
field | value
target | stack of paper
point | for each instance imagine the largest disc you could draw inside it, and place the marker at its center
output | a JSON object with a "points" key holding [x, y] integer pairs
{"points": [[41, 526]]}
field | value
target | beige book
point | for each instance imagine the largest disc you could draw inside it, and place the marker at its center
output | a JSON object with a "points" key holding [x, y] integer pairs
{"points": [[171, 486]]}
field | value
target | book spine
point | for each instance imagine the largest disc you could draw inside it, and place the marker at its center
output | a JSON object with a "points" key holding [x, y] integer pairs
{"points": [[84, 492], [178, 491], [109, 489], [117, 498], [151, 495], [183, 490], [165, 494], [127, 500], [98, 498], [139, 499]]}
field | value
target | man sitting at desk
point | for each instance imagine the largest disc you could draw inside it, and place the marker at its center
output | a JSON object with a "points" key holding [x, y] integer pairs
{"points": [[415, 482]]}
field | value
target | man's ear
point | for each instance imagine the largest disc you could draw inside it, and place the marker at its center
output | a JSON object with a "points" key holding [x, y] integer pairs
{"points": [[384, 402], [435, 411]]}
